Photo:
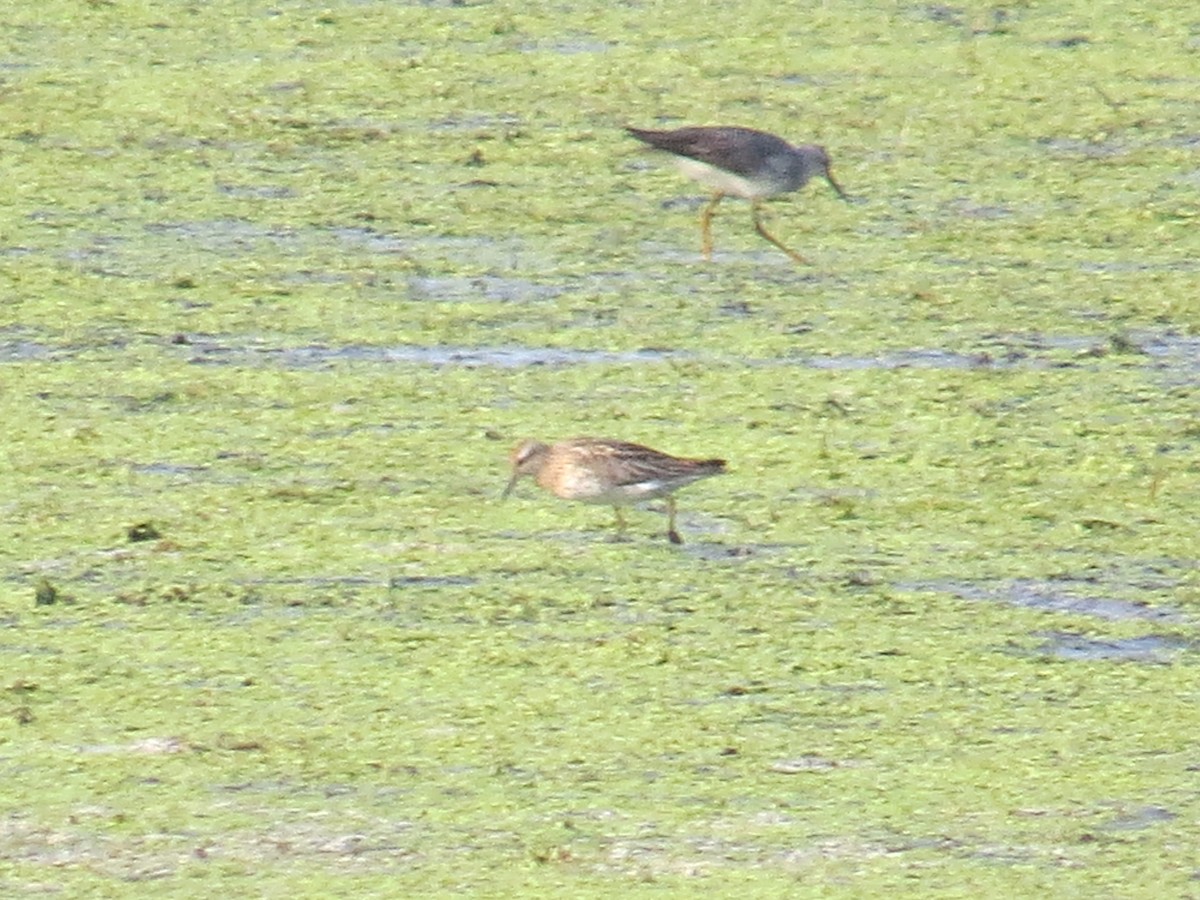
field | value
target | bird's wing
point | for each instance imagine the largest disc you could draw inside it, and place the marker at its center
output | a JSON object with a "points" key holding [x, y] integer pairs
{"points": [[630, 463], [737, 150]]}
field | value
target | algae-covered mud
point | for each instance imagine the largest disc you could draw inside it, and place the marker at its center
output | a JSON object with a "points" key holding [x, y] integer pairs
{"points": [[283, 285]]}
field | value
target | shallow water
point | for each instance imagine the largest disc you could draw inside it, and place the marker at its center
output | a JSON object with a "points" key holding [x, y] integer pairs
{"points": [[284, 285]]}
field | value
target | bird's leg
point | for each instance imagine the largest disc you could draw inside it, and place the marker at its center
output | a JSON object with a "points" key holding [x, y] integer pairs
{"points": [[758, 226], [672, 534], [706, 225], [620, 524]]}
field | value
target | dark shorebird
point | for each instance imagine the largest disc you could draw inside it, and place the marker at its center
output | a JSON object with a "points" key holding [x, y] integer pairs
{"points": [[616, 473], [741, 162]]}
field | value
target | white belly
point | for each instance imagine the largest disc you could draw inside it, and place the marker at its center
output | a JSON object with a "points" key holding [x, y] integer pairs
{"points": [[720, 180], [585, 486]]}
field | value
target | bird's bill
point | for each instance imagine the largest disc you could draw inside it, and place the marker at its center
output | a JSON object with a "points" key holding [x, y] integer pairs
{"points": [[837, 187], [512, 483]]}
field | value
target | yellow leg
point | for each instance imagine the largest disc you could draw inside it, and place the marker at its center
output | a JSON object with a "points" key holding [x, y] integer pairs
{"points": [[620, 523], [758, 226], [672, 534], [706, 225]]}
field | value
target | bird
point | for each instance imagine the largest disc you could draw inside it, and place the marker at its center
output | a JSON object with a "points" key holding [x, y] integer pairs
{"points": [[617, 473], [741, 162]]}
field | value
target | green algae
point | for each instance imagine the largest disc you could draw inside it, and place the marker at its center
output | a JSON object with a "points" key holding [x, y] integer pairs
{"points": [[343, 666]]}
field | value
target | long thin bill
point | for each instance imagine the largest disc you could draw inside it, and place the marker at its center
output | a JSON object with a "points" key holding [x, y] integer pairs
{"points": [[512, 483], [837, 187]]}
